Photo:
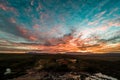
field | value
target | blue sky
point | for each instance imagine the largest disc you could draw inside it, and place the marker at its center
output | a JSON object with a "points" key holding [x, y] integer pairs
{"points": [[39, 21]]}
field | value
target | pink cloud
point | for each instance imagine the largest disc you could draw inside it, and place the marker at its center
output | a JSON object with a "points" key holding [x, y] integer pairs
{"points": [[6, 8], [27, 34], [116, 24], [3, 7], [12, 20], [36, 26]]}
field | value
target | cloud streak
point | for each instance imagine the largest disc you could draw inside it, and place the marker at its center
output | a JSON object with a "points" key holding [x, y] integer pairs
{"points": [[57, 26]]}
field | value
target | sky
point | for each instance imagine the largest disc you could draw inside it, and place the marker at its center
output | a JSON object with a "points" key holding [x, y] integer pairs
{"points": [[53, 26]]}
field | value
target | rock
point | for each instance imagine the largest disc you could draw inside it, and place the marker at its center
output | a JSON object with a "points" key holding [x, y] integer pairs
{"points": [[8, 71]]}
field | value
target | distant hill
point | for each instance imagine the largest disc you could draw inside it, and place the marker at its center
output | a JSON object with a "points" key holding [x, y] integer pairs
{"points": [[79, 53]]}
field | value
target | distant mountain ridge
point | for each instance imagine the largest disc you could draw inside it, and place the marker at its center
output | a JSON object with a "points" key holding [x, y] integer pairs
{"points": [[78, 53]]}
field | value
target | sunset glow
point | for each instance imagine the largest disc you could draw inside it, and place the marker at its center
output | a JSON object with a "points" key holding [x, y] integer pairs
{"points": [[60, 26]]}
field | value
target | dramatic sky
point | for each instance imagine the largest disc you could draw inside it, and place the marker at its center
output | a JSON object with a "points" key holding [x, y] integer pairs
{"points": [[60, 26]]}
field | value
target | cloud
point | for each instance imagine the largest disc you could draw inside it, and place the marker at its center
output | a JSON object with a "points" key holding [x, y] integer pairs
{"points": [[12, 20], [11, 27], [28, 34], [111, 37], [113, 11], [109, 48], [47, 25], [6, 8], [100, 14]]}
